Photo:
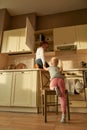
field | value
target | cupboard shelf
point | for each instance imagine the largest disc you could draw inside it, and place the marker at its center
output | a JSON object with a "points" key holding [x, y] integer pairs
{"points": [[44, 35]]}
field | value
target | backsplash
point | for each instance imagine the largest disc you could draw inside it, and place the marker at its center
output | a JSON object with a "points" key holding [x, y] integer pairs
{"points": [[26, 59], [3, 61], [70, 59]]}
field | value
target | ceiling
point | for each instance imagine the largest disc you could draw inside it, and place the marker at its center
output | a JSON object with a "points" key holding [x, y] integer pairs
{"points": [[42, 7]]}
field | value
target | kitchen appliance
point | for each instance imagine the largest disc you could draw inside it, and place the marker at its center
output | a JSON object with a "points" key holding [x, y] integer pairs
{"points": [[74, 82], [66, 46]]}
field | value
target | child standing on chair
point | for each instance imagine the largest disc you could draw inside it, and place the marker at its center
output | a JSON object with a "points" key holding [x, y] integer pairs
{"points": [[57, 84]]}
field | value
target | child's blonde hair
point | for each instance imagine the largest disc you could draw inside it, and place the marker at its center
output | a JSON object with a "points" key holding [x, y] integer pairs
{"points": [[54, 61]]}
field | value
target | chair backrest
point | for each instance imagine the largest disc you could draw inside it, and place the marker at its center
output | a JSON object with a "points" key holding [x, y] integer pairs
{"points": [[44, 79]]}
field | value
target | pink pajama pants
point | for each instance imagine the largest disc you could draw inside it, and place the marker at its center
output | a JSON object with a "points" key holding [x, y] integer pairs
{"points": [[59, 82]]}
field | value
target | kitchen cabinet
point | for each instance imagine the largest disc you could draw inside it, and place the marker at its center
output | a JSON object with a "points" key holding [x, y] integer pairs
{"points": [[64, 35], [14, 41], [19, 90], [25, 89], [5, 88], [44, 35], [30, 38], [22, 41], [10, 41], [18, 40], [78, 100], [81, 32], [77, 104]]}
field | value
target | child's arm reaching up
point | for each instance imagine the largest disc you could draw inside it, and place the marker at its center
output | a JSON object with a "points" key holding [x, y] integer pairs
{"points": [[45, 68]]}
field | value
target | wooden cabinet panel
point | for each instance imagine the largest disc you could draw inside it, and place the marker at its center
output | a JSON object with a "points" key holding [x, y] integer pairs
{"points": [[64, 35], [30, 39], [22, 41], [15, 41], [5, 88], [81, 31], [19, 89], [78, 104], [4, 43], [12, 41], [25, 89], [18, 40]]}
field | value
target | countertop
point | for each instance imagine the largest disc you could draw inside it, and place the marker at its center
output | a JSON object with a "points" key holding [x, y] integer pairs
{"points": [[18, 70], [76, 69], [35, 69]]}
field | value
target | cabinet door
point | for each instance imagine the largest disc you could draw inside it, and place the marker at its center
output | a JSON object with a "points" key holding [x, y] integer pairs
{"points": [[25, 89], [64, 35], [10, 41], [30, 39], [4, 42], [81, 31], [5, 88], [22, 41], [78, 104]]}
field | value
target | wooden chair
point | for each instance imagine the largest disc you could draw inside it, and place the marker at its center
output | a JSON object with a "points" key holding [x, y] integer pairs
{"points": [[55, 103], [45, 92]]}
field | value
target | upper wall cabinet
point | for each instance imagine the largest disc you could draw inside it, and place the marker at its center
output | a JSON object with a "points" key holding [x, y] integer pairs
{"points": [[18, 40], [64, 35], [10, 41], [81, 32], [44, 35]]}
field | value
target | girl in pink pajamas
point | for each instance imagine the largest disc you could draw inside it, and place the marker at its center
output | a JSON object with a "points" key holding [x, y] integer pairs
{"points": [[57, 83]]}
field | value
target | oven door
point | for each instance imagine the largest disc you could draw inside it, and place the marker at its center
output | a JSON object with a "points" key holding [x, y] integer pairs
{"points": [[85, 78], [74, 85]]}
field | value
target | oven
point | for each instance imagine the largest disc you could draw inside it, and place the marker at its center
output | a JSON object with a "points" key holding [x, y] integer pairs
{"points": [[85, 78], [74, 81], [77, 96]]}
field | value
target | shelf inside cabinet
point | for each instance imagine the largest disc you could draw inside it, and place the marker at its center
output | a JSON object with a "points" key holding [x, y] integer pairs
{"points": [[44, 35]]}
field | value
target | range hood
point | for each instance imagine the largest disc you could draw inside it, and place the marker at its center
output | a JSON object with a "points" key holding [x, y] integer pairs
{"points": [[70, 46]]}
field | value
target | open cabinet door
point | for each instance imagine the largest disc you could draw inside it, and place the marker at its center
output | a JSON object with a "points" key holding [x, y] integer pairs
{"points": [[30, 39]]}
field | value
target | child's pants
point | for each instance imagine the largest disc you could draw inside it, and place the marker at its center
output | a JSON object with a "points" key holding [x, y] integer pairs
{"points": [[59, 82]]}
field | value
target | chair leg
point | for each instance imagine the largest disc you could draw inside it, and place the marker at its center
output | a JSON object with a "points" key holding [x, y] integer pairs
{"points": [[68, 110], [45, 106]]}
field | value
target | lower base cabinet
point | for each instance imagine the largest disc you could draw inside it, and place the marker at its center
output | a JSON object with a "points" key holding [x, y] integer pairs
{"points": [[25, 89], [19, 89], [6, 81]]}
